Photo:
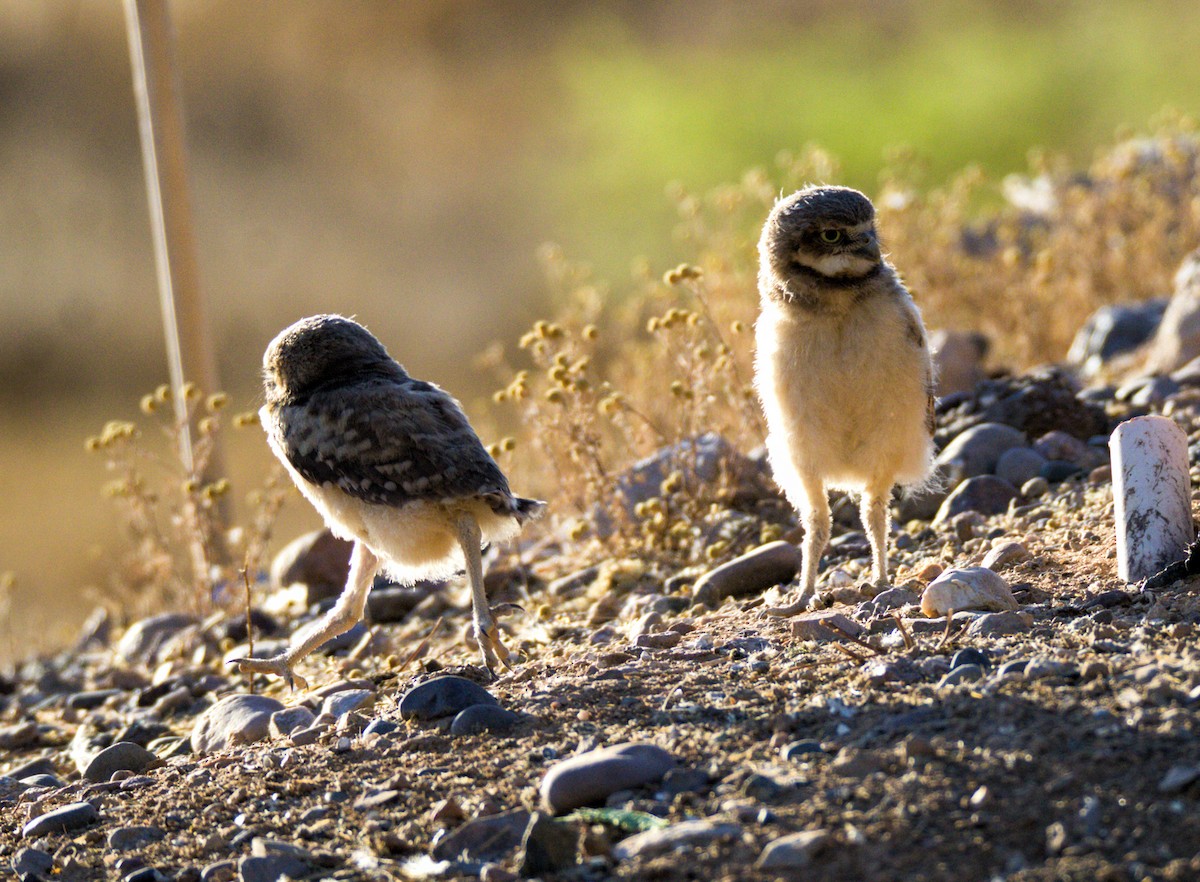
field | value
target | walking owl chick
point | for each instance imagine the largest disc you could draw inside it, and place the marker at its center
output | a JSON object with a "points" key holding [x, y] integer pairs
{"points": [[391, 463], [842, 369]]}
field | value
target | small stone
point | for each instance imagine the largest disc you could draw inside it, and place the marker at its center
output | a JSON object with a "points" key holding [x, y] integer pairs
{"points": [[142, 640], [234, 719], [1000, 624], [1043, 668], [393, 603], [969, 655], [684, 836], [1178, 778], [124, 755], [977, 451], [443, 697], [69, 817], [480, 718], [271, 868], [824, 626], [792, 852], [1019, 465], [318, 560], [311, 735], [961, 674], [18, 736], [290, 719], [1014, 668], [219, 871], [983, 494], [591, 777], [775, 563], [853, 762], [801, 750], [91, 699], [31, 862], [1035, 487], [969, 588], [447, 812], [381, 727], [660, 640], [1057, 471], [1004, 555], [123, 838], [348, 700], [894, 598], [547, 847], [491, 838]]}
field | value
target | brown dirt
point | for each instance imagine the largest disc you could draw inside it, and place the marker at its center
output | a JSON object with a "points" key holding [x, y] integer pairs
{"points": [[1056, 778]]}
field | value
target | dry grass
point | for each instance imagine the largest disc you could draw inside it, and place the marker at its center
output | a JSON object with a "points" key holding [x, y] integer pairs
{"points": [[181, 550], [616, 376]]}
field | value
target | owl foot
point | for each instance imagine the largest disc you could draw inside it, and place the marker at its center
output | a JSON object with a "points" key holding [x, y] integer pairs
{"points": [[278, 665], [808, 600], [493, 651]]}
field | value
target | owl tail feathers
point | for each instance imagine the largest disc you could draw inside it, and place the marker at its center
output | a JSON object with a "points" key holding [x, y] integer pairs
{"points": [[528, 509]]}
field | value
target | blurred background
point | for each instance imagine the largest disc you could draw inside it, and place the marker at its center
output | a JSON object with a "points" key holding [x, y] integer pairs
{"points": [[403, 162]]}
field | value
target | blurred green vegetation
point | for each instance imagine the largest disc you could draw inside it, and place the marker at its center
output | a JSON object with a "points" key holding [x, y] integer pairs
{"points": [[958, 83]]}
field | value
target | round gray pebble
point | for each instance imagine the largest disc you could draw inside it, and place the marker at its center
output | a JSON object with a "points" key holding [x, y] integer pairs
{"points": [[593, 776], [443, 697], [68, 817], [480, 718], [122, 756]]}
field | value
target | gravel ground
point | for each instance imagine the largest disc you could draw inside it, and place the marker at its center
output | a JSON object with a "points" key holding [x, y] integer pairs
{"points": [[1052, 742]]}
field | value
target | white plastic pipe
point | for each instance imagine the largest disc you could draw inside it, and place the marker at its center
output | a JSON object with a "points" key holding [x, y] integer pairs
{"points": [[1151, 495]]}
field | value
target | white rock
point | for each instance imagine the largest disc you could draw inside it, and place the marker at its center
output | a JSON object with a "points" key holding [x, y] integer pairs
{"points": [[967, 588], [1151, 495]]}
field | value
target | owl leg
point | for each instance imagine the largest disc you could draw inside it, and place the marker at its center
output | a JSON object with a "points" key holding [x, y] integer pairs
{"points": [[342, 616], [487, 635], [875, 520], [818, 524]]}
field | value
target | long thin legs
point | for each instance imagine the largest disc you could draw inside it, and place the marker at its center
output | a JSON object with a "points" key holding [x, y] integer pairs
{"points": [[342, 616], [486, 633]]}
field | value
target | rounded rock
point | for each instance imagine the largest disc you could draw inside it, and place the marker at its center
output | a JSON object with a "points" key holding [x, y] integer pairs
{"points": [[443, 697], [122, 756], [775, 563], [985, 494], [591, 777], [479, 718], [69, 817], [977, 451], [1020, 464], [969, 588], [969, 655], [235, 719], [962, 674]]}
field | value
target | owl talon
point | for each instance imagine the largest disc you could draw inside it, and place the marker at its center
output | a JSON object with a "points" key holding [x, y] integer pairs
{"points": [[802, 604], [493, 651], [278, 666]]}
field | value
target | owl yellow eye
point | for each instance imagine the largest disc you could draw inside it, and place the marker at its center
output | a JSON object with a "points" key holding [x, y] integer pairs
{"points": [[831, 236]]}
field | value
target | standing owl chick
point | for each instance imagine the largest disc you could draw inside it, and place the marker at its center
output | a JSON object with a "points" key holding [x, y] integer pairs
{"points": [[392, 464], [842, 369]]}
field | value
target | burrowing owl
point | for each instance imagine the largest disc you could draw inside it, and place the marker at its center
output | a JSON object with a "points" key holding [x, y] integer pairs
{"points": [[842, 369], [391, 463]]}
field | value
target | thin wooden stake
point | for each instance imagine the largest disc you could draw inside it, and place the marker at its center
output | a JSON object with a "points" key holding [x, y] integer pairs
{"points": [[164, 159]]}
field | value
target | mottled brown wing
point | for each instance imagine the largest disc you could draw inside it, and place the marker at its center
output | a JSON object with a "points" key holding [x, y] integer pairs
{"points": [[391, 442]]}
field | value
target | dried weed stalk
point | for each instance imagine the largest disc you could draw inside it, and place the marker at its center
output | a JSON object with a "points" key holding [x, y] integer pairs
{"points": [[613, 378], [178, 553]]}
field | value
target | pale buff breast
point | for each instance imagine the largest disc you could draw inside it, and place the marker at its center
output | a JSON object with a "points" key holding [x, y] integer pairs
{"points": [[845, 397]]}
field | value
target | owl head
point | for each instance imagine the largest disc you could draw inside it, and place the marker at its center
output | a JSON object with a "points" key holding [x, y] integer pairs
{"points": [[821, 234], [322, 351]]}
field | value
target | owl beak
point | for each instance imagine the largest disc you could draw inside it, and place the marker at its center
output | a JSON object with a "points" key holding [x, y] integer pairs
{"points": [[868, 245]]}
